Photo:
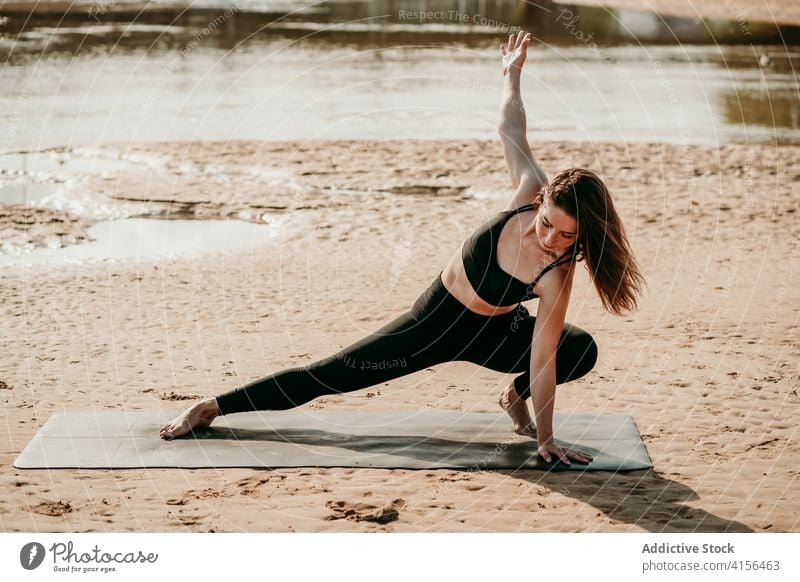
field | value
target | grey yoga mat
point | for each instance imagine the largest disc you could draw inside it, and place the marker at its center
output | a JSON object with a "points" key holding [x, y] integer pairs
{"points": [[327, 438]]}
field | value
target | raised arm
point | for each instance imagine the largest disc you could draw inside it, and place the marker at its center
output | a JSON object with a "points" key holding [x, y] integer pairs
{"points": [[527, 178]]}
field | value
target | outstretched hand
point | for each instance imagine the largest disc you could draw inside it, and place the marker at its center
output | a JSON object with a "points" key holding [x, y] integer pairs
{"points": [[515, 51], [550, 450]]}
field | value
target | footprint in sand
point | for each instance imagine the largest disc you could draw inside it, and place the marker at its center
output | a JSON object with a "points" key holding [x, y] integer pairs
{"points": [[54, 508], [355, 511], [174, 396]]}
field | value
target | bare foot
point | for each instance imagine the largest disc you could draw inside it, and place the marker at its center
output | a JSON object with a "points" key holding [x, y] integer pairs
{"points": [[201, 414], [517, 409]]}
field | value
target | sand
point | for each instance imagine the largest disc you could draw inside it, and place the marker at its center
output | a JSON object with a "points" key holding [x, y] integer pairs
{"points": [[708, 366]]}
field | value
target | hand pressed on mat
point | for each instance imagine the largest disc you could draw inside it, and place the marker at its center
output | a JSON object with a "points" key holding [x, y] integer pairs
{"points": [[548, 450]]}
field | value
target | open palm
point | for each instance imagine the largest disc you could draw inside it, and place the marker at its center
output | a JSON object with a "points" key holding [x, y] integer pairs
{"points": [[515, 51]]}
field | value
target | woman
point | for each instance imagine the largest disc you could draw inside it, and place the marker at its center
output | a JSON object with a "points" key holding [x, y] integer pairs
{"points": [[473, 311]]}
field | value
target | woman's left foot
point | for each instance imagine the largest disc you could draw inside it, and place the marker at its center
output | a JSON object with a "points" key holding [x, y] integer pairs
{"points": [[517, 409], [199, 415]]}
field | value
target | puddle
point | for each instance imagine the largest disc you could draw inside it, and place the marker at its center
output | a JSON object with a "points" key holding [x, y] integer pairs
{"points": [[27, 193], [54, 179], [31, 177], [54, 163], [275, 70], [150, 239]]}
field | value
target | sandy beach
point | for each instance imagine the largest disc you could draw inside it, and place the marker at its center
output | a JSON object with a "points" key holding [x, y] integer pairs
{"points": [[708, 366]]}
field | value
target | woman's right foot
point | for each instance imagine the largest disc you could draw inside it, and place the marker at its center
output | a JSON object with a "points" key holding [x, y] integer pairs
{"points": [[517, 409], [200, 415]]}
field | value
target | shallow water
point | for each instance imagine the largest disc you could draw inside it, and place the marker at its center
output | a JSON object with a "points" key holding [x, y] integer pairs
{"points": [[370, 70], [30, 177], [149, 240]]}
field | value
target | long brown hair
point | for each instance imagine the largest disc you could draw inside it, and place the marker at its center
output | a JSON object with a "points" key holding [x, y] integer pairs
{"points": [[601, 239]]}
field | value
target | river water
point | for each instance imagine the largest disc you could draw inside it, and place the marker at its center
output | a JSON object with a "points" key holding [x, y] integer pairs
{"points": [[110, 72]]}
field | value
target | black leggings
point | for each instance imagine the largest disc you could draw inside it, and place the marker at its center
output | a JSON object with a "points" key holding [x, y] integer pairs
{"points": [[437, 329]]}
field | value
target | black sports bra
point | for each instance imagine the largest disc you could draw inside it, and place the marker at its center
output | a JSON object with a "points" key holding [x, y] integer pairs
{"points": [[491, 283]]}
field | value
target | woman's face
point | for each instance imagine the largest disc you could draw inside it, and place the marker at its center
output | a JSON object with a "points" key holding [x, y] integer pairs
{"points": [[555, 229]]}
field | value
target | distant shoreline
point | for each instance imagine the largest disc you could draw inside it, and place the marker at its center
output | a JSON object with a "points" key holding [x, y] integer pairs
{"points": [[782, 12]]}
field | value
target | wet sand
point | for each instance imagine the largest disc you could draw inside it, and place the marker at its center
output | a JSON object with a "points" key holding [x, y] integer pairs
{"points": [[708, 366]]}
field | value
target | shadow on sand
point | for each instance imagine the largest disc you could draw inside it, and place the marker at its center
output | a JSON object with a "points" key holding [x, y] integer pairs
{"points": [[643, 498]]}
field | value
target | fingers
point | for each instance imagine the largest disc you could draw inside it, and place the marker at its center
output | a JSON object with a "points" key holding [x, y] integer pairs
{"points": [[523, 45], [564, 455], [516, 45], [515, 41], [578, 456]]}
